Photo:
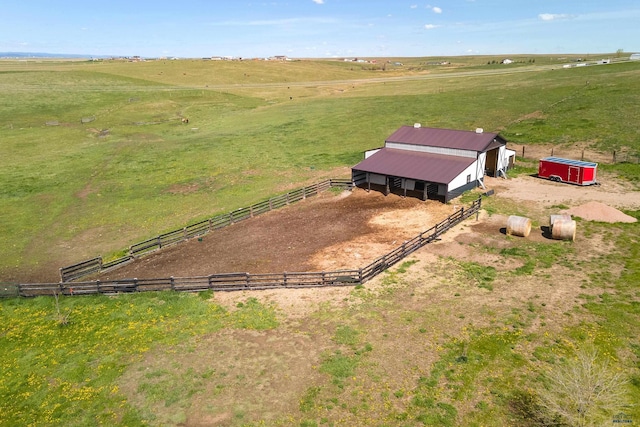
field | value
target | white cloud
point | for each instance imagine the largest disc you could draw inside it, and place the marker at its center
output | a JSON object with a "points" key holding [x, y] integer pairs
{"points": [[318, 1], [436, 9], [414, 6], [431, 26], [553, 16]]}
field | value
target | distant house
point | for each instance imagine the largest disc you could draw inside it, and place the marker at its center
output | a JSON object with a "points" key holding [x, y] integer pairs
{"points": [[635, 57], [433, 163], [507, 61]]}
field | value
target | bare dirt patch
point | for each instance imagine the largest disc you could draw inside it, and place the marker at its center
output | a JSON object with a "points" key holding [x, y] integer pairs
{"points": [[322, 233], [611, 191], [596, 211]]}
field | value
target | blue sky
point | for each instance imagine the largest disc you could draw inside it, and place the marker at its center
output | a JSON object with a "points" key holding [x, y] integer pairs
{"points": [[319, 28]]}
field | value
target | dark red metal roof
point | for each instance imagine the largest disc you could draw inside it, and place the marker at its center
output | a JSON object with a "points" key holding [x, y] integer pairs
{"points": [[437, 168], [446, 138]]}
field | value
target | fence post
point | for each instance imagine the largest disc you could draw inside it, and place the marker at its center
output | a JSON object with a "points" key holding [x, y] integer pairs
{"points": [[360, 275], [173, 283], [284, 275]]}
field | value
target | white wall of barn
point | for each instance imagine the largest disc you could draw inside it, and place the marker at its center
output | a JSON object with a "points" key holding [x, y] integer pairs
{"points": [[461, 180], [432, 150]]}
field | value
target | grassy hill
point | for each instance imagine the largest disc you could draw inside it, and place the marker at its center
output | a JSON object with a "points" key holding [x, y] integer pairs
{"points": [[95, 157]]}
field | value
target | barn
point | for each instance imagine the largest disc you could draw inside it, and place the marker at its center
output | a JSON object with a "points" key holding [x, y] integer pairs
{"points": [[433, 163]]}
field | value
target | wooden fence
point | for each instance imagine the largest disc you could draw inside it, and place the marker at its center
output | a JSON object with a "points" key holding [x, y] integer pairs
{"points": [[96, 265], [247, 281]]}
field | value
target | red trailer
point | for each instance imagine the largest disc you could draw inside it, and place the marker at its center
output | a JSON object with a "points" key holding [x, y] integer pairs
{"points": [[567, 170]]}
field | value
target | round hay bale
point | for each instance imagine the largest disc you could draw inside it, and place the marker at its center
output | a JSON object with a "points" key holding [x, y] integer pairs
{"points": [[564, 230], [518, 226], [559, 217]]}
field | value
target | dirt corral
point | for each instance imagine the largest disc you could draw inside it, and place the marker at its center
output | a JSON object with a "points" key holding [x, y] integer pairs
{"points": [[328, 232]]}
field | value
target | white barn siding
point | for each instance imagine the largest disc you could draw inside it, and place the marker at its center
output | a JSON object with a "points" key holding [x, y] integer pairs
{"points": [[480, 167], [503, 158], [432, 150], [461, 179], [370, 153]]}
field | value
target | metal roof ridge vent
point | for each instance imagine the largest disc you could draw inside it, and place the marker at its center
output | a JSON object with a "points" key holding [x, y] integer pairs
{"points": [[479, 130], [417, 125]]}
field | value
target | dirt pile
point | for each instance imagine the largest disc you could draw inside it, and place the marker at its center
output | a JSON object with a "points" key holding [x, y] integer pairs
{"points": [[596, 211]]}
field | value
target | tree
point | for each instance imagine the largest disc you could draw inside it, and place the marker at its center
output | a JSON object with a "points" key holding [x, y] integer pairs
{"points": [[583, 391], [619, 53]]}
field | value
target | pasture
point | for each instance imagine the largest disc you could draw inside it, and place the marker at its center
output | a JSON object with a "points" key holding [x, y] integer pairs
{"points": [[470, 332]]}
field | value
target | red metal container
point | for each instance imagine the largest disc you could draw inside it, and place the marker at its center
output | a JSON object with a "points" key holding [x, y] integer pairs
{"points": [[567, 170]]}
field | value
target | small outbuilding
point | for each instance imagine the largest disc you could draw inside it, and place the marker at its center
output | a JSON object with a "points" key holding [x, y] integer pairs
{"points": [[433, 163]]}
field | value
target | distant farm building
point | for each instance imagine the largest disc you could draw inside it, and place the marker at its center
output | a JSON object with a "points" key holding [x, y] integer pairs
{"points": [[635, 57], [433, 163]]}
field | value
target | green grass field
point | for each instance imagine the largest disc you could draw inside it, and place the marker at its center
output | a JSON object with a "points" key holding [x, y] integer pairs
{"points": [[389, 355], [74, 190]]}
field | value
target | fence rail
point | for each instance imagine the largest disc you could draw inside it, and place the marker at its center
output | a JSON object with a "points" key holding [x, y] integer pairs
{"points": [[96, 265], [247, 281]]}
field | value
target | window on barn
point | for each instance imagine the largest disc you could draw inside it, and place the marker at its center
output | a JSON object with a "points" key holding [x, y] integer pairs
{"points": [[468, 178]]}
